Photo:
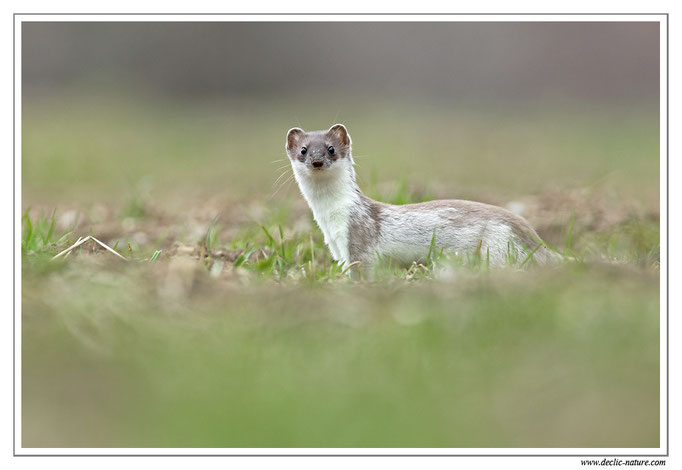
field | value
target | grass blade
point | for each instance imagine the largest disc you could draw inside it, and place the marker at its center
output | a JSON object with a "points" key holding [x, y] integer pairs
{"points": [[530, 255], [27, 235], [155, 256], [244, 257], [569, 236], [50, 230], [271, 240]]}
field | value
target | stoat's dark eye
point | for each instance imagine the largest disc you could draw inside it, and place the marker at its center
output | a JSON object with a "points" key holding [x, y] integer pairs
{"points": [[330, 150], [303, 150]]}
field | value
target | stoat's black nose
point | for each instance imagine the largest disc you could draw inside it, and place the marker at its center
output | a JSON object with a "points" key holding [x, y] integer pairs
{"points": [[318, 164]]}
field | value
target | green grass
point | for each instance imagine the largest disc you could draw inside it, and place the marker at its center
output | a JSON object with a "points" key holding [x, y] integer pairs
{"points": [[507, 359], [231, 326], [276, 347], [37, 235], [273, 345]]}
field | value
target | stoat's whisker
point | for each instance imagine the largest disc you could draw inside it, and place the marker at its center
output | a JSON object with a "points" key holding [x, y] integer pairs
{"points": [[281, 176], [283, 167], [288, 180]]}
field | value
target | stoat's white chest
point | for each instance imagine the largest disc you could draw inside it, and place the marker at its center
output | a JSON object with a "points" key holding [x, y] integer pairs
{"points": [[331, 196]]}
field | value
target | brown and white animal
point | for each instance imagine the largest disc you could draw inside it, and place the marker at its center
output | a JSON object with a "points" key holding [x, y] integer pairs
{"points": [[357, 228]]}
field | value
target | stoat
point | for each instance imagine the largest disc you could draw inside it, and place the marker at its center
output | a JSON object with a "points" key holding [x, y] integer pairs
{"points": [[357, 228]]}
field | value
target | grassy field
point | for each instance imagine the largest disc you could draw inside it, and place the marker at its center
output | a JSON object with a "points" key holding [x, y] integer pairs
{"points": [[230, 326]]}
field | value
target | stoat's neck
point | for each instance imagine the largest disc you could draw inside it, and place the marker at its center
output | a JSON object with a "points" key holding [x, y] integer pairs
{"points": [[328, 189], [331, 194]]}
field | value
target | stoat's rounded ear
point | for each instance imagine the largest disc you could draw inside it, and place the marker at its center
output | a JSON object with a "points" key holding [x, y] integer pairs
{"points": [[339, 133], [294, 137]]}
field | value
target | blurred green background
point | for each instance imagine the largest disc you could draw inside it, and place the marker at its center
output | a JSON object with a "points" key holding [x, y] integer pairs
{"points": [[169, 138]]}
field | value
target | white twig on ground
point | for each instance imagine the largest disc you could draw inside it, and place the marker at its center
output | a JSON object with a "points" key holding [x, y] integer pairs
{"points": [[81, 241], [67, 254], [78, 243]]}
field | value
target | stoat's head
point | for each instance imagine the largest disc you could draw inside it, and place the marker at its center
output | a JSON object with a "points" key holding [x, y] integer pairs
{"points": [[319, 152]]}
